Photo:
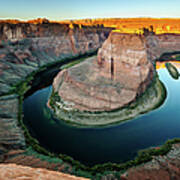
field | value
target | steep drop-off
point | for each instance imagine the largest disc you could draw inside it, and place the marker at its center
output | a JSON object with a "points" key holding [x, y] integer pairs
{"points": [[25, 49]]}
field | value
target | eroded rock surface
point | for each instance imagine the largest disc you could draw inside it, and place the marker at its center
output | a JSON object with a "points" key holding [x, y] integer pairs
{"points": [[11, 135], [157, 45], [122, 70], [41, 46], [115, 78], [16, 172]]}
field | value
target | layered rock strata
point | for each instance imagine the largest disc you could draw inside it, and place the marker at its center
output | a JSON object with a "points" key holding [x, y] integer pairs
{"points": [[42, 45], [120, 73], [11, 135], [24, 49]]}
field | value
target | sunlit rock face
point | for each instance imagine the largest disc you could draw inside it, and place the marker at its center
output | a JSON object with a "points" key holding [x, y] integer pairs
{"points": [[16, 172], [124, 57], [112, 80]]}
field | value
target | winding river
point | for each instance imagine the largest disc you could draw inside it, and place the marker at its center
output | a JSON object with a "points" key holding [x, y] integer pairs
{"points": [[117, 143]]}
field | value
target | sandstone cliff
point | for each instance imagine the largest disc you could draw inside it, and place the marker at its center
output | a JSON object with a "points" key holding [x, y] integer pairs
{"points": [[125, 56], [25, 48], [120, 73]]}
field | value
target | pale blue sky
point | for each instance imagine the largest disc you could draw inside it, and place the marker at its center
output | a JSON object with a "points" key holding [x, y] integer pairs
{"points": [[75, 9]]}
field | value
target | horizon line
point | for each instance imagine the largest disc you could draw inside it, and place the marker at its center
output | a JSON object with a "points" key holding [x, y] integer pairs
{"points": [[89, 18]]}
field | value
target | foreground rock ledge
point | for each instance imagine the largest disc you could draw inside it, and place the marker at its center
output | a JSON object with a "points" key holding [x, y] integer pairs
{"points": [[120, 73], [17, 172]]}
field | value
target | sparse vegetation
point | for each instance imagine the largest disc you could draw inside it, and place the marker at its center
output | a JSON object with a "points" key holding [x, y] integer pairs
{"points": [[172, 70], [72, 63]]}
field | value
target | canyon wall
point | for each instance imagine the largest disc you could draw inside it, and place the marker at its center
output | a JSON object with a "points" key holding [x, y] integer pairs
{"points": [[160, 167], [25, 48], [58, 38], [157, 45], [148, 46]]}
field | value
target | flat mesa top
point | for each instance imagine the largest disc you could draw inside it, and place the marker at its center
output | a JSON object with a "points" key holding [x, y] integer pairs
{"points": [[123, 25]]}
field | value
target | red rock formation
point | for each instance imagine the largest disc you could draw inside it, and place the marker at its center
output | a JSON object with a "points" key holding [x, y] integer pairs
{"points": [[121, 72], [130, 60]]}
